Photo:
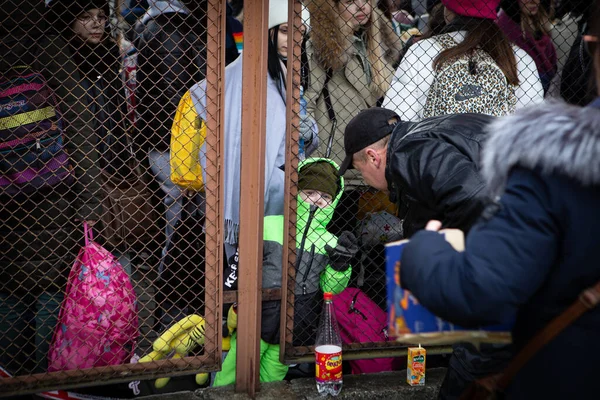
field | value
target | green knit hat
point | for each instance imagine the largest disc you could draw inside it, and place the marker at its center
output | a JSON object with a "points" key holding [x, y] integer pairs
{"points": [[321, 176]]}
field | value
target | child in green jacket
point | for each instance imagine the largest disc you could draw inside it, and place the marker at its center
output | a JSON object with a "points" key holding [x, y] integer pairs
{"points": [[323, 265]]}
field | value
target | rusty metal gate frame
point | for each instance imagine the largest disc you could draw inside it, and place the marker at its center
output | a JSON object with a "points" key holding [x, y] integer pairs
{"points": [[290, 354], [210, 360]]}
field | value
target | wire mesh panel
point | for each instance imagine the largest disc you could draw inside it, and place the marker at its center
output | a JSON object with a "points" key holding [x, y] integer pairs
{"points": [[113, 115], [90, 92], [432, 64]]}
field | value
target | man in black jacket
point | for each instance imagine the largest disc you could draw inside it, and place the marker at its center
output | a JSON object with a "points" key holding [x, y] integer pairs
{"points": [[429, 168]]}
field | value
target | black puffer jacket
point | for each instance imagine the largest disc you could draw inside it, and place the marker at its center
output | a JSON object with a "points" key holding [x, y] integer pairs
{"points": [[172, 57], [433, 170]]}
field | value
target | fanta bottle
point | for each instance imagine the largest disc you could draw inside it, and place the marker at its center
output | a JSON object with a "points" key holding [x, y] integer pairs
{"points": [[328, 351]]}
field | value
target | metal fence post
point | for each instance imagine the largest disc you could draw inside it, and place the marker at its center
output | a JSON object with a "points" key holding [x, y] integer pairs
{"points": [[254, 95]]}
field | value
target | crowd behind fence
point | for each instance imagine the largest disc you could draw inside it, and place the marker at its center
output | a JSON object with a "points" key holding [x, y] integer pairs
{"points": [[109, 114]]}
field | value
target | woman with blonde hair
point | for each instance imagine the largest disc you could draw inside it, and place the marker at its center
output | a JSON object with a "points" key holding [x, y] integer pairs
{"points": [[352, 53]]}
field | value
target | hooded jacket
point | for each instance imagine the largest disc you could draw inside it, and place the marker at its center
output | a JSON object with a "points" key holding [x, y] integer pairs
{"points": [[171, 48], [432, 170], [313, 273], [354, 73], [38, 235], [535, 255]]}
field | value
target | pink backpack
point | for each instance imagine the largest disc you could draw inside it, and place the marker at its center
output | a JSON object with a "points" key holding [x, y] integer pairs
{"points": [[98, 322], [362, 321]]}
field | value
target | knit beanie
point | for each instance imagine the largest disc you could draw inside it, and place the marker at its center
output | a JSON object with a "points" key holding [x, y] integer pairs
{"points": [[278, 12], [485, 9], [62, 13], [321, 176]]}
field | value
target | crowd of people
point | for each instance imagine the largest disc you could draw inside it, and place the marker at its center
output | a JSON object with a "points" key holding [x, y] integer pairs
{"points": [[433, 110]]}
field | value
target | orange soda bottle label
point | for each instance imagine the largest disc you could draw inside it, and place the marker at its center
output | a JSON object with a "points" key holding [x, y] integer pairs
{"points": [[328, 361]]}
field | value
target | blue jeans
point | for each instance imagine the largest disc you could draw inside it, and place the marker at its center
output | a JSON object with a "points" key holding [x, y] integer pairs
{"points": [[26, 328]]}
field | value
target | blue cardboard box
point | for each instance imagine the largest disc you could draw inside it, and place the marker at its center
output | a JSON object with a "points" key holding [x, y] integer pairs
{"points": [[410, 322]]}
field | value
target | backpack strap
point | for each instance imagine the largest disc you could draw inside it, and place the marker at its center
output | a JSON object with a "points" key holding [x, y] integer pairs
{"points": [[330, 111], [587, 300]]}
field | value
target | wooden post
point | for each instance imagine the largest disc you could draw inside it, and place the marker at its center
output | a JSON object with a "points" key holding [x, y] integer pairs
{"points": [[254, 95]]}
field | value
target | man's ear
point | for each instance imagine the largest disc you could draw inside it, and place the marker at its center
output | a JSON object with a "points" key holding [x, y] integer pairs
{"points": [[373, 157]]}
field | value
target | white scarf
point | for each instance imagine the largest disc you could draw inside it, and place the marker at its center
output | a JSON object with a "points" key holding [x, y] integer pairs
{"points": [[275, 146]]}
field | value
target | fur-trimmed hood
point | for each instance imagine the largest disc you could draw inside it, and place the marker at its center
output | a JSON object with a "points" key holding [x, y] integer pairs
{"points": [[556, 137], [332, 41]]}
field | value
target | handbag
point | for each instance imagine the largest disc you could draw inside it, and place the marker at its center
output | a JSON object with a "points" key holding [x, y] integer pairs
{"points": [[490, 387], [98, 323], [128, 218]]}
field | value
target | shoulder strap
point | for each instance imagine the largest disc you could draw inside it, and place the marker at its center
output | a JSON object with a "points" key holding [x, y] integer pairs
{"points": [[587, 300], [327, 98], [330, 112]]}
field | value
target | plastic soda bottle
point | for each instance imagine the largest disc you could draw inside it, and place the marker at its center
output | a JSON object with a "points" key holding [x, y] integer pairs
{"points": [[328, 351]]}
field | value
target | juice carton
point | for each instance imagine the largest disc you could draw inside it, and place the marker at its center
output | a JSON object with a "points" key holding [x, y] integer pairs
{"points": [[415, 371]]}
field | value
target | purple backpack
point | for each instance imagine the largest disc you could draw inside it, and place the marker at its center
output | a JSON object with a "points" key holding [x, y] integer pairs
{"points": [[362, 321], [32, 154], [98, 323]]}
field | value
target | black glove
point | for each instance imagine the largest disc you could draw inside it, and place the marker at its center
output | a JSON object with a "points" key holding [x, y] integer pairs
{"points": [[344, 252]]}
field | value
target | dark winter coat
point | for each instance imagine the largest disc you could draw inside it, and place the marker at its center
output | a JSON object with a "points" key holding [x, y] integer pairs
{"points": [[38, 236], [433, 170], [171, 58], [99, 67], [578, 85], [535, 255]]}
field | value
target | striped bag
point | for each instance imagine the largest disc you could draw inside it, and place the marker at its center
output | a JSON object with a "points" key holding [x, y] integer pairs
{"points": [[32, 154]]}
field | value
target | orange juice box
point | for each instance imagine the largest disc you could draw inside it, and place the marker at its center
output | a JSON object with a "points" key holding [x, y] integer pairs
{"points": [[415, 371]]}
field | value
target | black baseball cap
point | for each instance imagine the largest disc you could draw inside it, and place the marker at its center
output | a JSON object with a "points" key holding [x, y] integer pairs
{"points": [[366, 128]]}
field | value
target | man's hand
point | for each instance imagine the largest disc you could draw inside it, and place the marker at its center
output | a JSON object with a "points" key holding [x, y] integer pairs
{"points": [[342, 254]]}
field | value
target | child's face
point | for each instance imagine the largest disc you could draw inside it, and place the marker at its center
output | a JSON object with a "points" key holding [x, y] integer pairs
{"points": [[316, 197], [90, 26]]}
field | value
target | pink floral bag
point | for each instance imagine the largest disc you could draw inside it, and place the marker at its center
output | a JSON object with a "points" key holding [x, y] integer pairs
{"points": [[98, 322]]}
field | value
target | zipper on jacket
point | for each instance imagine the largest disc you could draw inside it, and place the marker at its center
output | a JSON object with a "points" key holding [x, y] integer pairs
{"points": [[312, 257], [311, 215]]}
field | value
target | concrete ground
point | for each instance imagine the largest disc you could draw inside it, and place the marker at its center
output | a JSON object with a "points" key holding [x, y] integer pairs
{"points": [[386, 385]]}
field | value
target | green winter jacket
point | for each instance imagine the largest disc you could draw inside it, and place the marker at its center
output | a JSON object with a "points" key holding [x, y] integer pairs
{"points": [[313, 273]]}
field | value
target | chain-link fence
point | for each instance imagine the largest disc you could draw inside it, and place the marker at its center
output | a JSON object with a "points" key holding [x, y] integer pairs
{"points": [[120, 115], [420, 60], [88, 103]]}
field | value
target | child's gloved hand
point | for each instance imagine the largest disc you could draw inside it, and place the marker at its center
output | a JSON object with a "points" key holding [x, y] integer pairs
{"points": [[344, 251]]}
